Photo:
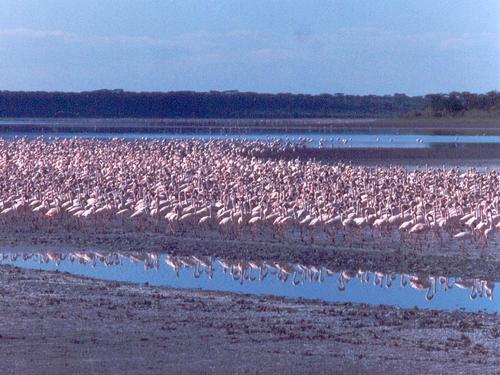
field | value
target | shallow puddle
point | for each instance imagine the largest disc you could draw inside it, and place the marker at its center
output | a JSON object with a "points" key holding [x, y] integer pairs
{"points": [[271, 278]]}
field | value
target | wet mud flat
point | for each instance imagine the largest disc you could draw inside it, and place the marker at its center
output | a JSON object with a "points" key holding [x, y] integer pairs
{"points": [[124, 125], [57, 323], [469, 155], [448, 260]]}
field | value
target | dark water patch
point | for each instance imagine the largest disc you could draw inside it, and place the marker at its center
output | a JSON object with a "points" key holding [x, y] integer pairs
{"points": [[402, 154]]}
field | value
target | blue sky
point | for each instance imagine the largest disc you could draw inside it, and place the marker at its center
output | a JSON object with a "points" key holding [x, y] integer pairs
{"points": [[351, 46]]}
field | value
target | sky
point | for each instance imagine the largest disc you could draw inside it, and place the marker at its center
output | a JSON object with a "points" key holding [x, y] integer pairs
{"points": [[352, 46]]}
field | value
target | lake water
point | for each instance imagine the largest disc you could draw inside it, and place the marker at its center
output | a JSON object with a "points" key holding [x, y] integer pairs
{"points": [[328, 140], [365, 137], [277, 279]]}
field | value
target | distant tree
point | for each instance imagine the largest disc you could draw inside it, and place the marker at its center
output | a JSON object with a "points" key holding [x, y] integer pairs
{"points": [[436, 102], [233, 104], [453, 103]]}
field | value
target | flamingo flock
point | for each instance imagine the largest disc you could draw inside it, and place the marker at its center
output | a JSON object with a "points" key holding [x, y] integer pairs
{"points": [[227, 189], [245, 271]]}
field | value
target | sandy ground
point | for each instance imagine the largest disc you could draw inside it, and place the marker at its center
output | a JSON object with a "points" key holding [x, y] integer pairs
{"points": [[56, 323]]}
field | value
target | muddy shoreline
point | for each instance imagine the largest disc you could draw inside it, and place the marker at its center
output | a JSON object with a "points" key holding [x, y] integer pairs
{"points": [[58, 323], [459, 125], [472, 262], [475, 155]]}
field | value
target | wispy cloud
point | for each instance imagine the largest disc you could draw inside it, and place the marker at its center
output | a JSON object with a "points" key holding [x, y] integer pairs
{"points": [[469, 40], [242, 44], [193, 41], [184, 40], [373, 38], [34, 34]]}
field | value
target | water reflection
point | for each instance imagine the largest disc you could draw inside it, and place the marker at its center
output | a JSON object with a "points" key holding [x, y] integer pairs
{"points": [[275, 278]]}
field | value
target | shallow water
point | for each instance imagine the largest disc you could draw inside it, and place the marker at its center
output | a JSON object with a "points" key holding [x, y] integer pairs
{"points": [[277, 279], [311, 139]]}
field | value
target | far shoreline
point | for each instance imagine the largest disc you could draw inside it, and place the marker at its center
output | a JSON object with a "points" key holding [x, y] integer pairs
{"points": [[437, 126]]}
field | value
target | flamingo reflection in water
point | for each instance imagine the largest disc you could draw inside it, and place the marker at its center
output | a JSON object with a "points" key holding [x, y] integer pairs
{"points": [[478, 287], [424, 283], [241, 271]]}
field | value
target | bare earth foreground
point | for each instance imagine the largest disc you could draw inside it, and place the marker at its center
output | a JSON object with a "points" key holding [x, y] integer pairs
{"points": [[55, 323]]}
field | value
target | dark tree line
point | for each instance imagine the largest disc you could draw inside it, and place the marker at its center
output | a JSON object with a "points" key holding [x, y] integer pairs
{"points": [[459, 102], [229, 104]]}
